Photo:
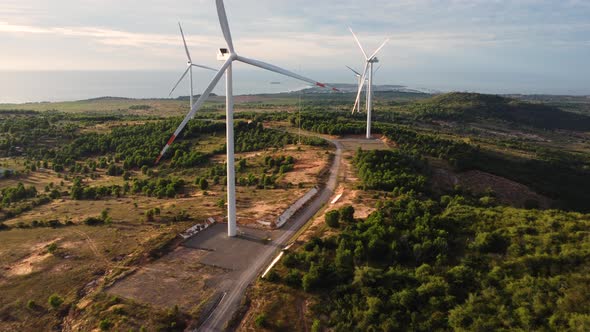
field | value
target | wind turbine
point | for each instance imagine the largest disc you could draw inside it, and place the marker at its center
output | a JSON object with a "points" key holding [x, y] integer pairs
{"points": [[359, 76], [189, 68], [369, 61], [229, 55]]}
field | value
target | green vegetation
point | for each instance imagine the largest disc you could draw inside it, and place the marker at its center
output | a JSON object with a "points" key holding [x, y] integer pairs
{"points": [[427, 263], [332, 218], [387, 170], [470, 107], [55, 301], [426, 259]]}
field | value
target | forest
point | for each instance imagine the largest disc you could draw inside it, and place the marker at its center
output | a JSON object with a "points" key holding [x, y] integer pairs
{"points": [[424, 262], [427, 260]]}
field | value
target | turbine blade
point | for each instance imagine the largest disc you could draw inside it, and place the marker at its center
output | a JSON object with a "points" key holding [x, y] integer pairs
{"points": [[184, 42], [180, 80], [359, 43], [282, 71], [358, 94], [195, 107], [354, 71], [379, 49], [224, 25], [204, 67], [376, 70]]}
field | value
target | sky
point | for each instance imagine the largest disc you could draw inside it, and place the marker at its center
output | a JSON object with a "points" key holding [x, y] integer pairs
{"points": [[525, 46]]}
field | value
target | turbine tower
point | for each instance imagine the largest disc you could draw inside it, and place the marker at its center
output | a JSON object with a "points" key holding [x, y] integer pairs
{"points": [[369, 61], [189, 68], [229, 55]]}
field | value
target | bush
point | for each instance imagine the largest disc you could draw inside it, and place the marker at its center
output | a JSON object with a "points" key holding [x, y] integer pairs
{"points": [[93, 221], [52, 248], [55, 301], [332, 218], [261, 320], [316, 326], [105, 324], [203, 184], [273, 276], [31, 305], [293, 278]]}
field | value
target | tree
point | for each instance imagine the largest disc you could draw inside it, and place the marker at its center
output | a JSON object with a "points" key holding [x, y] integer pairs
{"points": [[347, 213], [332, 218]]}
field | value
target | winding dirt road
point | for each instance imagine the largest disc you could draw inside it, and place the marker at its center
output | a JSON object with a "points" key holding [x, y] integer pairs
{"points": [[234, 291]]}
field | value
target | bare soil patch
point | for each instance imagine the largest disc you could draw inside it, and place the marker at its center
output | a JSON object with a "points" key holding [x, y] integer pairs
{"points": [[175, 279]]}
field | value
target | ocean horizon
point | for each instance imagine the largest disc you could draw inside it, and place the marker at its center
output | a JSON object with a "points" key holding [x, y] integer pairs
{"points": [[56, 86]]}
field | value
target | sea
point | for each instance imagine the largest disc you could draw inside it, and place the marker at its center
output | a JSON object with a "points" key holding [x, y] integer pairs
{"points": [[54, 86]]}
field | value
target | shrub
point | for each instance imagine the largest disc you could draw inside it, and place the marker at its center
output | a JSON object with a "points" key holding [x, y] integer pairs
{"points": [[93, 221], [31, 305], [105, 324], [52, 248], [316, 326], [203, 184], [332, 218], [261, 320], [55, 301], [293, 278], [273, 276]]}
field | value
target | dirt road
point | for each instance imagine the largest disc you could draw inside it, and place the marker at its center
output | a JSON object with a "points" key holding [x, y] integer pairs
{"points": [[234, 291]]}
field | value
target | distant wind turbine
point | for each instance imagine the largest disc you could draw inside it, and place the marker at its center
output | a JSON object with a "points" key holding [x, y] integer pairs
{"points": [[228, 55], [369, 61], [358, 76], [189, 68]]}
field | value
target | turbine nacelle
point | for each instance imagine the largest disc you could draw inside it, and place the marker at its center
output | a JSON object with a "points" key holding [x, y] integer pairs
{"points": [[223, 54]]}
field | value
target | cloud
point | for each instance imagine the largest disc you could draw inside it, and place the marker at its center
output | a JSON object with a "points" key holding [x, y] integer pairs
{"points": [[100, 35]]}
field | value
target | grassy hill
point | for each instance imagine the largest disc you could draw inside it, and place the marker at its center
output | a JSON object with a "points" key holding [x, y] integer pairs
{"points": [[470, 107]]}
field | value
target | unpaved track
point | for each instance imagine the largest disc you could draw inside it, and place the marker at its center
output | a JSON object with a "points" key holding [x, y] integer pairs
{"points": [[235, 291]]}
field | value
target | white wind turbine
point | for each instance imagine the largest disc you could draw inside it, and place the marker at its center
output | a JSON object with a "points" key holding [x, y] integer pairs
{"points": [[358, 75], [229, 56], [189, 68], [369, 61]]}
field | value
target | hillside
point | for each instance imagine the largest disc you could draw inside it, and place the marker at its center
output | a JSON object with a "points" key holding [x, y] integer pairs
{"points": [[470, 107]]}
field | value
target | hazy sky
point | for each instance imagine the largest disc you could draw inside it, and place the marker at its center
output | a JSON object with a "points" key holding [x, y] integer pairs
{"points": [[485, 45]]}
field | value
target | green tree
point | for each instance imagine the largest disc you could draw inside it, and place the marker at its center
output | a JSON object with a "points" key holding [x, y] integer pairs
{"points": [[347, 213], [332, 218]]}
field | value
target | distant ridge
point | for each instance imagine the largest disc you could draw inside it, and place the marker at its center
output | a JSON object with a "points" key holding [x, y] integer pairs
{"points": [[348, 88], [106, 98], [111, 98], [468, 107]]}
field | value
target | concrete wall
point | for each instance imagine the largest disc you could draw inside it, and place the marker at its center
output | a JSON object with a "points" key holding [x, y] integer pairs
{"points": [[283, 218]]}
